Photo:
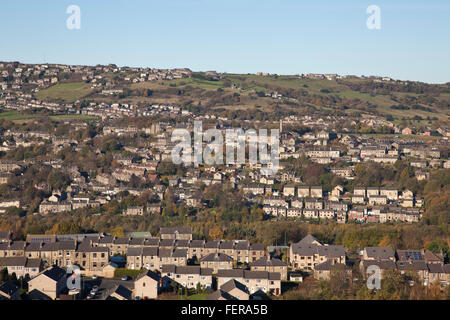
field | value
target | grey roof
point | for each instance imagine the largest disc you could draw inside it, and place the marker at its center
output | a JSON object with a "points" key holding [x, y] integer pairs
{"points": [[232, 284], [220, 294], [179, 253], [435, 268], [305, 249], [122, 240], [8, 288], [13, 261], [212, 244], [257, 246], [67, 245], [152, 242], [86, 248], [446, 268], [309, 239], [217, 257], [34, 246], [414, 265], [167, 243], [182, 243], [55, 273], [230, 273], [248, 274], [137, 241], [430, 256], [150, 274], [17, 245], [165, 253], [33, 263], [107, 239], [242, 245], [53, 246], [266, 262], [331, 251], [380, 252], [38, 295], [384, 265], [6, 235], [132, 252], [170, 268], [197, 244], [327, 265], [149, 251], [226, 245], [123, 292], [274, 276]]}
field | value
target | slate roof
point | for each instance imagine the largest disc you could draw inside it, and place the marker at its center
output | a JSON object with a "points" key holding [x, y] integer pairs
{"points": [[233, 284], [8, 288], [150, 274], [217, 257], [219, 295], [380, 252], [55, 273], [197, 244], [266, 262]]}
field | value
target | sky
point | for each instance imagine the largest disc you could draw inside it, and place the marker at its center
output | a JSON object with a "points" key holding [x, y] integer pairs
{"points": [[236, 36]]}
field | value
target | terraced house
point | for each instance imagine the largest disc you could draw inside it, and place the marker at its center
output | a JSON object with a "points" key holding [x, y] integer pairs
{"points": [[271, 265], [188, 276], [309, 252], [267, 282]]}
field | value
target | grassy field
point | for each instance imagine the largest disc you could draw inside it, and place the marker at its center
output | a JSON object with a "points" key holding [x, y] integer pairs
{"points": [[16, 116], [67, 92]]}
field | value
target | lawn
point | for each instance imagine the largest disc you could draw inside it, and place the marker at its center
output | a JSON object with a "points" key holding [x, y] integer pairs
{"points": [[14, 115], [17, 116], [198, 296], [67, 92]]}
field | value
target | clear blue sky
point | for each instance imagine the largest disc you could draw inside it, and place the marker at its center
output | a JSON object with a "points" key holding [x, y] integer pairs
{"points": [[277, 36]]}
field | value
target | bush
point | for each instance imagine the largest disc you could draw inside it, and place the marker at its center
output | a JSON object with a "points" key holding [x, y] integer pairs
{"points": [[120, 272]]}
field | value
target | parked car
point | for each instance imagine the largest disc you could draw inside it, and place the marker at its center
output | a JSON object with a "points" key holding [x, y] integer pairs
{"points": [[94, 290], [125, 278]]}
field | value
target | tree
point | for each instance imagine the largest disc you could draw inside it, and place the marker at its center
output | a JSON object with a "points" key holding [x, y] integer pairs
{"points": [[117, 232], [215, 233]]}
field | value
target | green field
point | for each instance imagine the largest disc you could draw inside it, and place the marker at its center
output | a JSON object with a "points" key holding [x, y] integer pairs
{"points": [[67, 92], [17, 116], [14, 115]]}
